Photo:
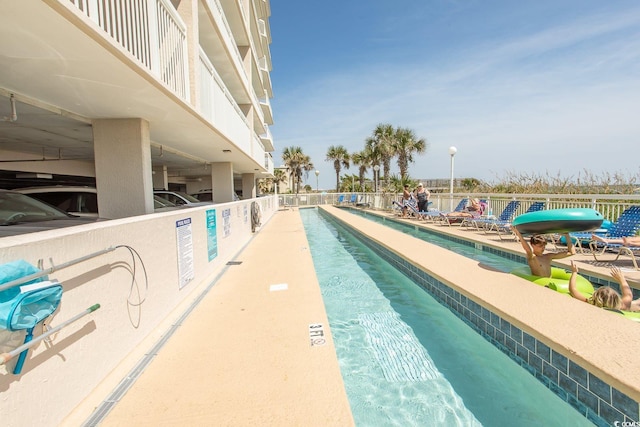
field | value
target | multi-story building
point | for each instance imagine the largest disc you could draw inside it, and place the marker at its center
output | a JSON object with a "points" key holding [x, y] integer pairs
{"points": [[137, 95], [129, 96]]}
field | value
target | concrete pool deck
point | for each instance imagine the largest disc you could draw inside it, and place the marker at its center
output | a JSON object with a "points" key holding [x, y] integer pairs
{"points": [[244, 355]]}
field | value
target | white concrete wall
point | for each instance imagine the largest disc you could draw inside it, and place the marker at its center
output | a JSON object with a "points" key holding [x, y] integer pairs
{"points": [[86, 360]]}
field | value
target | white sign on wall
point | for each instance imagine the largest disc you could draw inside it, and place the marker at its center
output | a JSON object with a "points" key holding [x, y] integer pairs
{"points": [[184, 240]]}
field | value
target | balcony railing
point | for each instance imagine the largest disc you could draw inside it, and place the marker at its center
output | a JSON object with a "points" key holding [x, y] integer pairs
{"points": [[151, 31], [218, 106], [610, 206]]}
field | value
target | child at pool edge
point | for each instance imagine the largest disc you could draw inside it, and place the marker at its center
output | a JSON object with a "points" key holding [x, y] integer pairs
{"points": [[539, 262], [606, 296]]}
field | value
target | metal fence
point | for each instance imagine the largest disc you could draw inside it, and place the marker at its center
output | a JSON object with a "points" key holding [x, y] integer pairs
{"points": [[609, 205]]}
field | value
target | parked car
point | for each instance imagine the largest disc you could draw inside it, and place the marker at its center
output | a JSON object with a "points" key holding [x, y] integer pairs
{"points": [[20, 214], [207, 196], [80, 201], [179, 198]]}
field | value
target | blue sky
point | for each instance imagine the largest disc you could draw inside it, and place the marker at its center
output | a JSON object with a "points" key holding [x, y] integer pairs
{"points": [[526, 87]]}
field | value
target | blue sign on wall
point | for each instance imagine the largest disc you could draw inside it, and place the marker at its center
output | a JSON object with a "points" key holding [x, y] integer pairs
{"points": [[212, 238]]}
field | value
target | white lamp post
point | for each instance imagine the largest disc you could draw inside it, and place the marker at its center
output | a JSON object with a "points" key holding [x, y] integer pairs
{"points": [[376, 168], [317, 174], [452, 152]]}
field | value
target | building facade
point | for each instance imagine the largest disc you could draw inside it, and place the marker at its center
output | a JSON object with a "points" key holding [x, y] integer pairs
{"points": [[137, 95]]}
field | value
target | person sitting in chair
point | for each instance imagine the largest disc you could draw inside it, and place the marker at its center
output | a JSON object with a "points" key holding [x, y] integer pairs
{"points": [[474, 210]]}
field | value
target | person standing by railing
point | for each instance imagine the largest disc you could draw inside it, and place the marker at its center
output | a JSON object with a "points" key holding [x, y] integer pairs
{"points": [[422, 195]]}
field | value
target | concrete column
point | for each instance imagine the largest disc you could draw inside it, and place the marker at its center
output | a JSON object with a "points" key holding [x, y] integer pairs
{"points": [[123, 167], [222, 182], [160, 178], [248, 185]]}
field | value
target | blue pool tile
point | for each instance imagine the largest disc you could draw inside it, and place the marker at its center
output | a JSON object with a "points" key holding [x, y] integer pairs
{"points": [[550, 372], [536, 362], [522, 352], [529, 342], [568, 384], [505, 327], [579, 406], [543, 351], [579, 374], [610, 414], [625, 404], [559, 391], [596, 420], [560, 362], [495, 320], [516, 334], [588, 398], [599, 388]]}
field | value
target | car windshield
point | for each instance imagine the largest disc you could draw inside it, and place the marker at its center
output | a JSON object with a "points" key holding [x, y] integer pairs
{"points": [[177, 197], [159, 202], [16, 208]]}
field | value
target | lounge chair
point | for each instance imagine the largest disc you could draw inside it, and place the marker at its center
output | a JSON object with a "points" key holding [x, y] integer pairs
{"points": [[361, 203], [503, 220], [340, 199], [412, 208], [631, 251], [436, 214], [463, 220], [627, 225], [353, 199], [500, 226]]}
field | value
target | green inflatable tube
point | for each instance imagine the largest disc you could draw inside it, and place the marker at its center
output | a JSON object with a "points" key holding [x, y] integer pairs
{"points": [[633, 315], [559, 280]]}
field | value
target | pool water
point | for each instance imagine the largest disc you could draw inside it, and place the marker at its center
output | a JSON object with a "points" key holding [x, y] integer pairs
{"points": [[408, 361], [483, 257]]}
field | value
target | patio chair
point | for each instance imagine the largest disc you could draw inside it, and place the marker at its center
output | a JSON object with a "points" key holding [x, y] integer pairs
{"points": [[505, 217], [631, 251], [505, 226], [464, 220], [340, 199], [412, 208], [353, 199], [435, 214], [627, 225]]}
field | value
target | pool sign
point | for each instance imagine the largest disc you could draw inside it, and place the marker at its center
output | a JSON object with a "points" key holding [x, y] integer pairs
{"points": [[184, 240], [212, 237], [316, 334]]}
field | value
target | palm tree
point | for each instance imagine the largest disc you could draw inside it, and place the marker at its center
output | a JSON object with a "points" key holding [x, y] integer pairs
{"points": [[405, 144], [362, 159], [381, 143], [279, 175], [397, 183], [340, 157], [296, 162]]}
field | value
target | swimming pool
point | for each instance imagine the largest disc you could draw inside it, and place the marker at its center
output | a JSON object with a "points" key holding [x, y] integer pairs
{"points": [[406, 359]]}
